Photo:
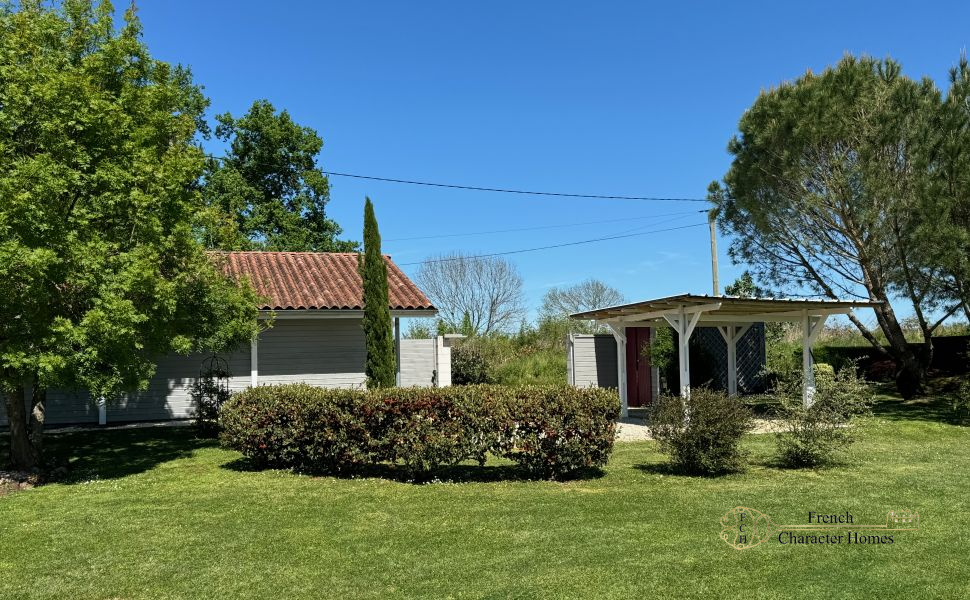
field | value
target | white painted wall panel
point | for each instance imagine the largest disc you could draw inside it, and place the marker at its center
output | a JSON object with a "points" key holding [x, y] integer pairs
{"points": [[322, 352], [417, 363], [594, 361], [169, 392]]}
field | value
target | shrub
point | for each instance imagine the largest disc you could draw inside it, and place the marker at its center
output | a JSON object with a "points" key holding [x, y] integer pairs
{"points": [[557, 431], [299, 426], [702, 434], [468, 366], [816, 436], [551, 431], [426, 428]]}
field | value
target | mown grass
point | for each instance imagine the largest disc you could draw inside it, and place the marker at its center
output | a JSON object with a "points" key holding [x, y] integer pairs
{"points": [[158, 513]]}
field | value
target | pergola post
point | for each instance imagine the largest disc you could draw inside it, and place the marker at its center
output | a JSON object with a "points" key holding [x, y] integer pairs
{"points": [[684, 326], [619, 334], [811, 327], [732, 334]]}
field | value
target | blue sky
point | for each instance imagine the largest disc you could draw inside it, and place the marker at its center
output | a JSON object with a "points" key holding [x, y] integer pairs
{"points": [[596, 98]]}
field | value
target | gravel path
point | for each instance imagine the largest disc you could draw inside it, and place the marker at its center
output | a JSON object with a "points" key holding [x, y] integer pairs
{"points": [[635, 430]]}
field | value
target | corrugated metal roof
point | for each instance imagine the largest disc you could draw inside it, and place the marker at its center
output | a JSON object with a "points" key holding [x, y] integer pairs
{"points": [[317, 280], [729, 306]]}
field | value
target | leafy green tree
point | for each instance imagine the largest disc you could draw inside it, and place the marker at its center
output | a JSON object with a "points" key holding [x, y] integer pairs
{"points": [[268, 193], [745, 287], [99, 267], [381, 364], [820, 194]]}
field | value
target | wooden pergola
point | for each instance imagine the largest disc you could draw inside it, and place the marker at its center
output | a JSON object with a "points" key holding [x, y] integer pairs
{"points": [[731, 315]]}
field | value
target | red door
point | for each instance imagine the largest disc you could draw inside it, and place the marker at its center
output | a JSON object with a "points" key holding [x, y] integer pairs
{"points": [[639, 386]]}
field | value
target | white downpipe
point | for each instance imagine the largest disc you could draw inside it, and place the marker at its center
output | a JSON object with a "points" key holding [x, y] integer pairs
{"points": [[102, 411], [397, 351], [253, 362]]}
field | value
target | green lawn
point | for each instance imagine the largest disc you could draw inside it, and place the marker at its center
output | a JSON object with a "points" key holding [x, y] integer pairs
{"points": [[159, 514]]}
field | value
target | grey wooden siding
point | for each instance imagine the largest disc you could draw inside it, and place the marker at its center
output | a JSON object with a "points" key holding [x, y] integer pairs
{"points": [[167, 395], [322, 352], [417, 362], [169, 392], [594, 361], [62, 407]]}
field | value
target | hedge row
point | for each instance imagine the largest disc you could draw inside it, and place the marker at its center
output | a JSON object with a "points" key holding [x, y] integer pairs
{"points": [[552, 431]]}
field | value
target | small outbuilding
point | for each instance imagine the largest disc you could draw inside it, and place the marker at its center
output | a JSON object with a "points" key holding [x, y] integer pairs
{"points": [[632, 326], [315, 300]]}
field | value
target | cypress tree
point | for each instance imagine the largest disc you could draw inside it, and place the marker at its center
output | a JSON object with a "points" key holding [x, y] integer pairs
{"points": [[380, 367]]}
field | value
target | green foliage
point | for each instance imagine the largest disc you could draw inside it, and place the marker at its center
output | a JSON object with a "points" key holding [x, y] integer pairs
{"points": [[380, 365], [553, 432], [533, 355], [268, 193], [557, 432], [468, 366], [819, 435], [299, 426], [815, 196], [662, 353], [702, 434], [541, 367], [99, 267], [744, 287]]}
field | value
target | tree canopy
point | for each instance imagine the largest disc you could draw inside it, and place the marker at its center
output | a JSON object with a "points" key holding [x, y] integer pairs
{"points": [[831, 188], [268, 192], [99, 266]]}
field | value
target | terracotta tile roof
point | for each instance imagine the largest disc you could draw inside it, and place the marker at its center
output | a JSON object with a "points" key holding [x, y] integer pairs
{"points": [[317, 280]]}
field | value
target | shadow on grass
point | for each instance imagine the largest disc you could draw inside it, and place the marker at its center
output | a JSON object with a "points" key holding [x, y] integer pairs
{"points": [[461, 473], [84, 455], [936, 408], [669, 470]]}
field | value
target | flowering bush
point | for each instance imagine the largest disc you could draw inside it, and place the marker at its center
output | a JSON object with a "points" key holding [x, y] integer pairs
{"points": [[551, 431]]}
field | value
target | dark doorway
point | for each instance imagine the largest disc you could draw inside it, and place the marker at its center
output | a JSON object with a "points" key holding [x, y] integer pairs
{"points": [[639, 382]]}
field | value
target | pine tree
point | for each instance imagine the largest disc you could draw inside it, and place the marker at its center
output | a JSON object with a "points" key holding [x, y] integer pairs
{"points": [[380, 367]]}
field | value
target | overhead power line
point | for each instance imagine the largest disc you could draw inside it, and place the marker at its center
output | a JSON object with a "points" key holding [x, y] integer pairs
{"points": [[511, 191], [538, 227], [498, 190], [523, 250]]}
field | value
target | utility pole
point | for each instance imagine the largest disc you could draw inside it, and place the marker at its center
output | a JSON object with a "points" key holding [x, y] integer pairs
{"points": [[710, 222]]}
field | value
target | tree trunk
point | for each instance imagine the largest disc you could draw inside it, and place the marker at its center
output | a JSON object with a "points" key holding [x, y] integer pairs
{"points": [[909, 371], [23, 455], [35, 420]]}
